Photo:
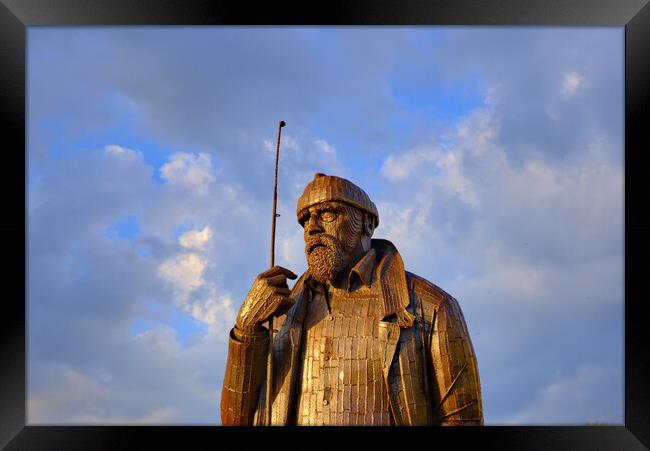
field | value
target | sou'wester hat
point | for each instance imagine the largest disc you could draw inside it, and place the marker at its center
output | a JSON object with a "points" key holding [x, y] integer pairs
{"points": [[326, 188]]}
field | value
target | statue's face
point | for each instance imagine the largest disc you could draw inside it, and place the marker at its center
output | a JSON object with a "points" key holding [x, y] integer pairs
{"points": [[333, 232]]}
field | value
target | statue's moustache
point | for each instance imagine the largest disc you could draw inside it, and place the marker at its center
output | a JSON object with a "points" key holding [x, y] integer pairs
{"points": [[315, 241]]}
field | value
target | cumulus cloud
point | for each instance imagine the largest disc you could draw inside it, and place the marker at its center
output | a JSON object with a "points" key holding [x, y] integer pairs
{"points": [[195, 295], [537, 200], [196, 239], [218, 313], [189, 171], [184, 271], [88, 365]]}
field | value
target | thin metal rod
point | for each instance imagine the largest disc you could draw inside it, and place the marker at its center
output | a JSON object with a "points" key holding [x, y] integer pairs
{"points": [[275, 193], [269, 365]]}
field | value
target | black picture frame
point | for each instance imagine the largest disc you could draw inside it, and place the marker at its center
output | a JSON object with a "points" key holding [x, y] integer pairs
{"points": [[17, 15]]}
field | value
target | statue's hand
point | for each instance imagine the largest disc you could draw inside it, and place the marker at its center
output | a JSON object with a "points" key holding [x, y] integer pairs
{"points": [[268, 296]]}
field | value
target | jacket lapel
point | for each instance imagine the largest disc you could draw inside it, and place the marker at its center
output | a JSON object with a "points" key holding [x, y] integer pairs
{"points": [[286, 355], [396, 300], [389, 334]]}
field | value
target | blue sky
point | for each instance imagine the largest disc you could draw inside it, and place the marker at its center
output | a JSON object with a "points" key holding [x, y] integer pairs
{"points": [[494, 155]]}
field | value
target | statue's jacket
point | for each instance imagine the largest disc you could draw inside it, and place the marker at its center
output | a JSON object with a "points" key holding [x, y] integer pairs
{"points": [[428, 361]]}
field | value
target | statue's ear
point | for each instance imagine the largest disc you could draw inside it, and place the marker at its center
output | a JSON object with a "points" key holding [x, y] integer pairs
{"points": [[368, 228], [368, 224]]}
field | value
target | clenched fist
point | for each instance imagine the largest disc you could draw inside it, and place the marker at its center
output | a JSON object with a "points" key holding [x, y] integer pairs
{"points": [[269, 296]]}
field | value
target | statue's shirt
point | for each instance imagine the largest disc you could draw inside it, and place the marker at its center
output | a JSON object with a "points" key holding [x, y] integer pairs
{"points": [[340, 379]]}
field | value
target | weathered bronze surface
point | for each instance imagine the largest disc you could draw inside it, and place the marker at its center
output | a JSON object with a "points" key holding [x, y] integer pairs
{"points": [[360, 341]]}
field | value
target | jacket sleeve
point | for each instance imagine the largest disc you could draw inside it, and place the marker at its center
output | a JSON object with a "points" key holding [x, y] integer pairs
{"points": [[245, 372], [456, 388], [246, 365]]}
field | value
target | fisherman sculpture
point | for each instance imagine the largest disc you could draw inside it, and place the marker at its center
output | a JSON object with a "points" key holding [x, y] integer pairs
{"points": [[360, 341]]}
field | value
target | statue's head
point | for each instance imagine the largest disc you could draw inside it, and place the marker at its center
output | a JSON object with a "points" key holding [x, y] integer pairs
{"points": [[338, 219]]}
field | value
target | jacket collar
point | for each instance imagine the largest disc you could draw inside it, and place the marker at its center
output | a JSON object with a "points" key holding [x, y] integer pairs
{"points": [[392, 279]]}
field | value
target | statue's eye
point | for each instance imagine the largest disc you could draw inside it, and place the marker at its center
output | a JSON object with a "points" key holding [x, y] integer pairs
{"points": [[304, 219], [328, 216]]}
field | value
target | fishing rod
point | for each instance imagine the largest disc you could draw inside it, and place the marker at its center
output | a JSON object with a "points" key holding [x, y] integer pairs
{"points": [[269, 364]]}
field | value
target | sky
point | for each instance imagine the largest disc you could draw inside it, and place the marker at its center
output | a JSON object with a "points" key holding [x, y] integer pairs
{"points": [[494, 156]]}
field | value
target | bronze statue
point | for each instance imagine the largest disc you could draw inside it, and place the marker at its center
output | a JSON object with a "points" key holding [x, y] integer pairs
{"points": [[357, 340]]}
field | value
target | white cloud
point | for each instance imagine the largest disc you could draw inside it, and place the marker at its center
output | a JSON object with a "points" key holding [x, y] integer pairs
{"points": [[454, 180], [193, 294], [550, 206], [189, 171], [122, 152], [184, 272], [442, 164], [402, 224], [326, 148], [196, 296], [476, 132], [196, 239], [572, 83], [400, 166], [217, 312]]}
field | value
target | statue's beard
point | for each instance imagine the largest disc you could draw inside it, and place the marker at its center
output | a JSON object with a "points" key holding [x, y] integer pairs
{"points": [[326, 260]]}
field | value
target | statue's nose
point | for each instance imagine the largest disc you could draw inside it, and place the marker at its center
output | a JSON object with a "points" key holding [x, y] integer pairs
{"points": [[313, 225]]}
